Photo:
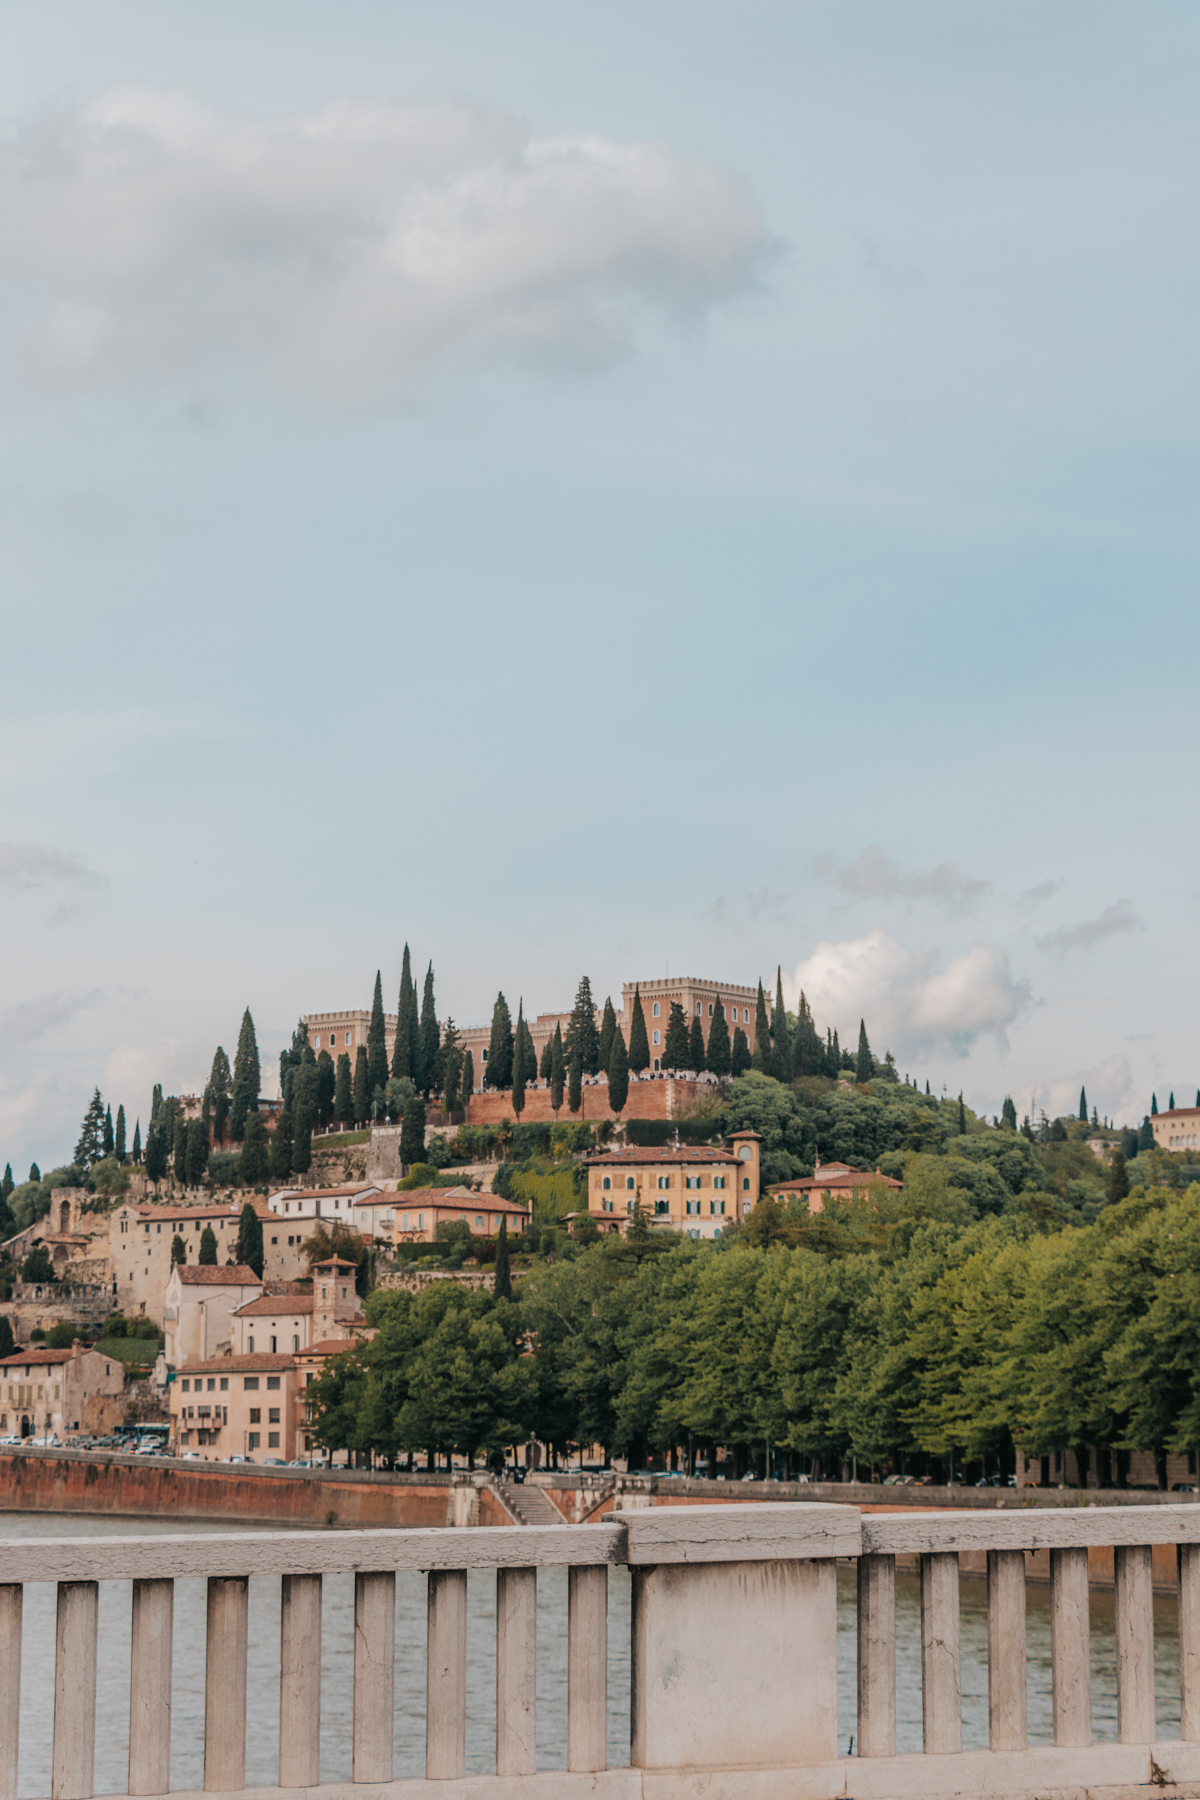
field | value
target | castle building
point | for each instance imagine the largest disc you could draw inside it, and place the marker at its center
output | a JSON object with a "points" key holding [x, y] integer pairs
{"points": [[689, 1188]]}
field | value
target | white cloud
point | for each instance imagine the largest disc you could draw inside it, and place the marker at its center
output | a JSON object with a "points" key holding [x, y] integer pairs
{"points": [[1109, 1086], [1118, 917], [32, 1019], [874, 876], [908, 1002], [344, 254], [40, 865]]}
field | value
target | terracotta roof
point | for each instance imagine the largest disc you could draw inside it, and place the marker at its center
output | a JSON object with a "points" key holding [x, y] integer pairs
{"points": [[213, 1275], [1177, 1112], [329, 1193], [331, 1347], [216, 1209], [686, 1153], [36, 1355], [833, 1175], [275, 1304], [240, 1365], [334, 1262], [460, 1198]]}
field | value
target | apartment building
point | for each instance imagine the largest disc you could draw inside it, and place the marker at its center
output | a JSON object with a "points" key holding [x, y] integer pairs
{"points": [[48, 1393], [687, 1188], [237, 1406]]}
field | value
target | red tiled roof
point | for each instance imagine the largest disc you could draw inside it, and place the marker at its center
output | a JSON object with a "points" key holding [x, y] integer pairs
{"points": [[459, 1199], [241, 1365], [331, 1347], [686, 1153], [36, 1355], [833, 1175], [1178, 1112], [276, 1304], [216, 1209], [329, 1193], [213, 1275]]}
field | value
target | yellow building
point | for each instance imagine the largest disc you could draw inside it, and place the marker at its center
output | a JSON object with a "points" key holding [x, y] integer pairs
{"points": [[1178, 1129], [682, 1187]]}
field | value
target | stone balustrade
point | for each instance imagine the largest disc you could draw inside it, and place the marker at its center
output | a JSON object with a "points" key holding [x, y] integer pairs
{"points": [[733, 1654]]}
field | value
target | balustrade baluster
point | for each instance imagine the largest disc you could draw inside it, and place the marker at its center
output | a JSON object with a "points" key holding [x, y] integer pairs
{"points": [[300, 1681], [516, 1671], [12, 1596], [877, 1656], [1134, 1625], [151, 1650], [374, 1676], [225, 1683], [446, 1676], [941, 1681], [73, 1762], [1189, 1641], [587, 1668], [1070, 1648], [1007, 1714]]}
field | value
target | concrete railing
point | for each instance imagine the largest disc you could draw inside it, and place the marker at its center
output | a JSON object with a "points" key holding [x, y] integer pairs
{"points": [[733, 1654]]}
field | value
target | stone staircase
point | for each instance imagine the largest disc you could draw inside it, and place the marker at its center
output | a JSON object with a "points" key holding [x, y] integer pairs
{"points": [[528, 1504]]}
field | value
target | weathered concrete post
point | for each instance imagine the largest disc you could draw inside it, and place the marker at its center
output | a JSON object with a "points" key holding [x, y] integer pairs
{"points": [[734, 1655]]}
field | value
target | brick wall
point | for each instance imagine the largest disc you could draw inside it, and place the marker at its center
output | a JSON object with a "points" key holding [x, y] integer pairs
{"points": [[647, 1100]]}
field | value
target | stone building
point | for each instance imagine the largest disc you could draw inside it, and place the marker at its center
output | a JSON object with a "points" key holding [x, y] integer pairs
{"points": [[50, 1393], [236, 1406], [831, 1181], [198, 1309], [687, 1188], [414, 1214]]}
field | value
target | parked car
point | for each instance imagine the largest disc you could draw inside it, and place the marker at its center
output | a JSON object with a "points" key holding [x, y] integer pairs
{"points": [[238, 1459], [899, 1481], [11, 1438], [273, 1462], [190, 1456]]}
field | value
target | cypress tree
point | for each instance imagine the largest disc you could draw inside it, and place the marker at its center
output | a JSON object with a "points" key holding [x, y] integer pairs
{"points": [[696, 1045], [781, 1039], [468, 1078], [377, 1062], [8, 1342], [247, 1079], [740, 1058], [1118, 1177], [544, 1065], [639, 1043], [136, 1152], [249, 1252], [575, 1081], [208, 1247], [343, 1092], [326, 1090], [406, 1049], [156, 1100], [1145, 1136], [762, 1035], [582, 1033], [498, 1073], [837, 1055], [518, 1084], [1170, 1103], [7, 1184], [90, 1147], [675, 1045], [1008, 1112], [1153, 1105], [962, 1118], [807, 1051], [197, 1151], [451, 1068], [254, 1161], [35, 1174], [608, 1024], [412, 1131], [717, 1056], [618, 1073], [1083, 1104], [502, 1283], [430, 1035], [217, 1093], [179, 1149], [178, 1250], [864, 1062], [362, 1093], [156, 1153], [302, 1121], [119, 1135], [557, 1070], [282, 1139], [108, 1140]]}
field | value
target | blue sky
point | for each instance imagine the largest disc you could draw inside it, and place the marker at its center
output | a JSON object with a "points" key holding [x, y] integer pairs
{"points": [[598, 489]]}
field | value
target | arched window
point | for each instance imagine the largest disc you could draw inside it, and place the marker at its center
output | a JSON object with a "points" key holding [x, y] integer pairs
{"points": [[606, 1183], [710, 1007], [656, 1065], [745, 1153], [657, 1009], [657, 1040], [698, 1009]]}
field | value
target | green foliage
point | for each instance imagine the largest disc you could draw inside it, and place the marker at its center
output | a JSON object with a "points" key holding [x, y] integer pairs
{"points": [[254, 1162], [136, 1352], [377, 1063], [583, 1039], [208, 1247], [119, 1149], [618, 1072], [406, 1052], [38, 1266], [178, 1250], [468, 1075], [8, 1342], [343, 1092], [781, 1037], [696, 1058], [362, 1087], [575, 1081], [502, 1283], [249, 1251], [717, 1055], [675, 1043], [762, 1060], [518, 1077], [247, 1079], [62, 1334], [557, 1070], [90, 1147], [197, 1151], [498, 1073], [430, 1036], [282, 1143], [608, 1025], [864, 1062], [740, 1059], [412, 1131], [639, 1043]]}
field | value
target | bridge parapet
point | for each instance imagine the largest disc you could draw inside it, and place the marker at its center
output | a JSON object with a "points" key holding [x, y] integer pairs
{"points": [[733, 1655]]}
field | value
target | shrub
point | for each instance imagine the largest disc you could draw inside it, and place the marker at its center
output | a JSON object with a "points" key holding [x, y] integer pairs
{"points": [[114, 1326], [37, 1335], [62, 1335], [37, 1266]]}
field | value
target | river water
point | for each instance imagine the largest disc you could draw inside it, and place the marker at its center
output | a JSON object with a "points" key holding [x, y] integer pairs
{"points": [[112, 1708]]}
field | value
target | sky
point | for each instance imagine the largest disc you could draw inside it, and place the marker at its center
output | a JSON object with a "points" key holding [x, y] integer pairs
{"points": [[653, 488]]}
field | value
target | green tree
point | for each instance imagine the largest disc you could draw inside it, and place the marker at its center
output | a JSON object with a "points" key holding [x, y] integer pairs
{"points": [[518, 1080], [575, 1080], [558, 1072], [377, 1063], [90, 1147], [406, 1052], [156, 1153], [639, 1043], [618, 1073], [254, 1161], [1083, 1110], [544, 1064], [762, 1035], [35, 1174], [217, 1093], [581, 1031], [717, 1056], [119, 1150], [608, 1024], [412, 1131], [282, 1144], [1118, 1178], [807, 1052], [197, 1152], [302, 1124], [37, 1266], [740, 1059], [326, 1090], [468, 1078], [249, 1251], [675, 1049], [7, 1184], [178, 1250], [362, 1088], [1008, 1112], [962, 1117], [781, 1039], [156, 1102], [1145, 1136], [7, 1342], [108, 1139], [136, 1152], [498, 1073], [864, 1062], [451, 1067], [1153, 1105], [430, 1035], [208, 1246], [247, 1079], [502, 1284], [179, 1149]]}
